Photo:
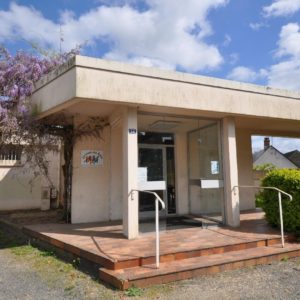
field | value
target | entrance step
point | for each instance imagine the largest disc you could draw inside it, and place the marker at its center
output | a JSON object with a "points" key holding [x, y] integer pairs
{"points": [[173, 256], [180, 255], [168, 254], [146, 275]]}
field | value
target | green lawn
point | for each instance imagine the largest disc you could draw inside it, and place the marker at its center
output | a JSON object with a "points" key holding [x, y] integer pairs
{"points": [[58, 273]]}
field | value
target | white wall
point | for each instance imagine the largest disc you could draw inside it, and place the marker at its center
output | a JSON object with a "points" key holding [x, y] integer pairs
{"points": [[17, 191], [91, 185]]}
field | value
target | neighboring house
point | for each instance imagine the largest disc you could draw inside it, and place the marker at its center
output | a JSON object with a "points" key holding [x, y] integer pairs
{"points": [[270, 155], [294, 156], [19, 187], [184, 136]]}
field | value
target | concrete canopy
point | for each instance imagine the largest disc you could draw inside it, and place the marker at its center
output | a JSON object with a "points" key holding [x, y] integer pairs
{"points": [[125, 94], [85, 83]]}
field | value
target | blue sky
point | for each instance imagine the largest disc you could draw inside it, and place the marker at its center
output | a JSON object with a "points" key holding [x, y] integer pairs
{"points": [[245, 40]]}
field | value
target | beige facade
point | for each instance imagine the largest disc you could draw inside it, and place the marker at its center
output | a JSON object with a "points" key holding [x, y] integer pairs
{"points": [[210, 122], [21, 189]]}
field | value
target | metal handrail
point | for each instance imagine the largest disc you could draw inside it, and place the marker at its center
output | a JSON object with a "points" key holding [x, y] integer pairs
{"points": [[157, 199], [279, 201]]}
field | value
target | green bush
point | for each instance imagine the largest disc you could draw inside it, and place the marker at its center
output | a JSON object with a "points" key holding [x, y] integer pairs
{"points": [[289, 181]]}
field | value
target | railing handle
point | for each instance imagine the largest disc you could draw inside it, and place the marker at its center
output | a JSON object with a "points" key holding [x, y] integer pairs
{"points": [[157, 201], [279, 202]]}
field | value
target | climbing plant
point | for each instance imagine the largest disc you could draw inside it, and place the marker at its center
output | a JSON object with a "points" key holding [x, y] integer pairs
{"points": [[19, 122]]}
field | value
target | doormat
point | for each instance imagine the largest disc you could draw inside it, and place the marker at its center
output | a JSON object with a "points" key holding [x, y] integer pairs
{"points": [[183, 221]]}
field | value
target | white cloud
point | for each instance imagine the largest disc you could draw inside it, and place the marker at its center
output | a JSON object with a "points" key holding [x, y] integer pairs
{"points": [[115, 2], [28, 23], [227, 40], [167, 34], [257, 26], [281, 8], [245, 74], [289, 41], [286, 73], [233, 58]]}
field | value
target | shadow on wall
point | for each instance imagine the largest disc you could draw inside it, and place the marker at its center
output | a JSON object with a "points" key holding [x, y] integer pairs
{"points": [[20, 188]]}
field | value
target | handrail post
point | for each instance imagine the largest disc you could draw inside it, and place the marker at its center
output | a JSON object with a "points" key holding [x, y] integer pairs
{"points": [[157, 201], [279, 202], [281, 219], [157, 231]]}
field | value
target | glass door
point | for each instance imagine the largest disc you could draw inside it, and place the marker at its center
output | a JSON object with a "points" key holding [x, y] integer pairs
{"points": [[206, 196], [153, 158], [160, 163]]}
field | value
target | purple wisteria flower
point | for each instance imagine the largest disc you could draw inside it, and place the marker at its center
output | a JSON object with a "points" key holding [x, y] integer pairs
{"points": [[18, 74]]}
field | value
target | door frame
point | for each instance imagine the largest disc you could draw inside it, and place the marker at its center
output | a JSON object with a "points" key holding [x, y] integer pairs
{"points": [[163, 147]]}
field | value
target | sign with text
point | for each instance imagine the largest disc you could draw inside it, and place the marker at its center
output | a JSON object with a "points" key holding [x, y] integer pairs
{"points": [[91, 158]]}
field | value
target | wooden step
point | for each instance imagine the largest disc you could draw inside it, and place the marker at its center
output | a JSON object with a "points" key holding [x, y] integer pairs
{"points": [[143, 276]]}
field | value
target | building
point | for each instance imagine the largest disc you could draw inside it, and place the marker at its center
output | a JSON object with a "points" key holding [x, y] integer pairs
{"points": [[271, 155], [294, 157], [184, 136], [21, 187]]}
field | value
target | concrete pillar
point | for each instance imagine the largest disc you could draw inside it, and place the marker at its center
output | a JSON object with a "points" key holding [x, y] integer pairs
{"points": [[232, 208], [130, 168], [245, 168], [116, 163], [181, 169]]}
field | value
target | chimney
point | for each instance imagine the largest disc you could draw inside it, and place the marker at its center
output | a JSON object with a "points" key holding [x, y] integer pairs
{"points": [[266, 143]]}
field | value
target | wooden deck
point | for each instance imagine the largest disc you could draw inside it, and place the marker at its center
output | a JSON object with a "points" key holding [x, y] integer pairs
{"points": [[185, 252]]}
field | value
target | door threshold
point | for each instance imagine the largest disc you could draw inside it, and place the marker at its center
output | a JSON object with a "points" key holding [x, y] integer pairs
{"points": [[175, 222]]}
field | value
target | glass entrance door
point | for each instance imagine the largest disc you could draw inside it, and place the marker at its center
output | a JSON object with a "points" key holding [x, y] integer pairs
{"points": [[152, 159], [205, 173], [160, 164]]}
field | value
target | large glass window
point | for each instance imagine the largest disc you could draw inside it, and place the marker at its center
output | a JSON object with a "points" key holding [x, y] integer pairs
{"points": [[205, 172]]}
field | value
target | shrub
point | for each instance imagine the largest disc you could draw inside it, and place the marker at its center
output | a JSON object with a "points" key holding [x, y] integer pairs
{"points": [[287, 180]]}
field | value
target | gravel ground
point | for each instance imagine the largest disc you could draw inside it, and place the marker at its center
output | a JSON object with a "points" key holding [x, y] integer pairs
{"points": [[19, 281], [28, 273], [280, 280]]}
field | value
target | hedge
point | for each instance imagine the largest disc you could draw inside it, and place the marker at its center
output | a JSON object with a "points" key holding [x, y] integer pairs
{"points": [[287, 180]]}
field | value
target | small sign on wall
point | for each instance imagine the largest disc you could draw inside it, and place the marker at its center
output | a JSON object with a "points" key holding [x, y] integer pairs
{"points": [[142, 174], [91, 158], [214, 167], [132, 131]]}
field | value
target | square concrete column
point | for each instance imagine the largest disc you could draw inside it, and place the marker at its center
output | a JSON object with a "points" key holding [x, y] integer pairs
{"points": [[232, 209], [130, 169]]}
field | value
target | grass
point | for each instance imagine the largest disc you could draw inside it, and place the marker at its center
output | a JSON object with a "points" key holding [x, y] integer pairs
{"points": [[75, 284], [55, 272], [134, 292], [66, 276], [285, 259]]}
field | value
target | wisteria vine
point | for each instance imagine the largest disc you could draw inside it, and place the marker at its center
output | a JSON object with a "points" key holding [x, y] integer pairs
{"points": [[19, 125]]}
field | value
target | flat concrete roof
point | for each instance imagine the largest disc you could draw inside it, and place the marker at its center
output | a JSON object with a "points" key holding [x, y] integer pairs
{"points": [[126, 68], [89, 84]]}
